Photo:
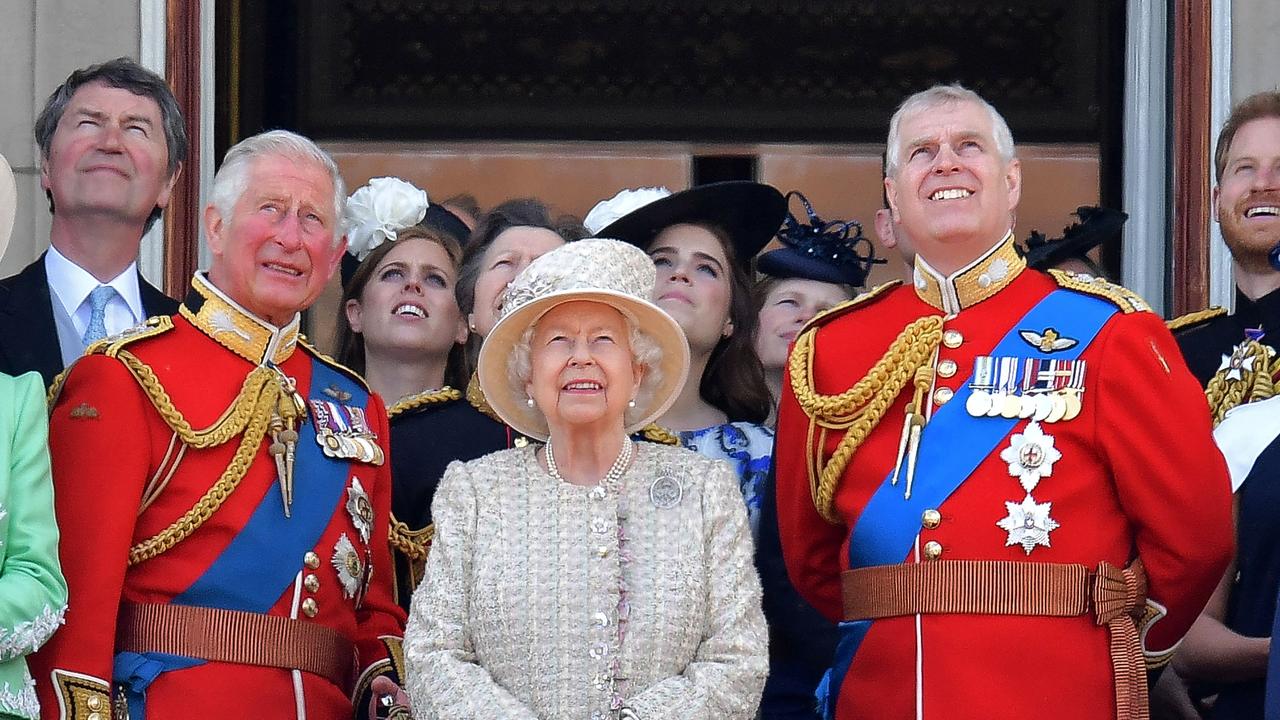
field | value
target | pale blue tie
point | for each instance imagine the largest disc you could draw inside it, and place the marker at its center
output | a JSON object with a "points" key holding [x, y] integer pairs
{"points": [[98, 300]]}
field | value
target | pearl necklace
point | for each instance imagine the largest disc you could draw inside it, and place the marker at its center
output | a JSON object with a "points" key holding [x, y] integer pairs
{"points": [[610, 478]]}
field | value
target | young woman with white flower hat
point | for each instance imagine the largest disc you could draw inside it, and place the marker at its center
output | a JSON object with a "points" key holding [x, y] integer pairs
{"points": [[400, 327]]}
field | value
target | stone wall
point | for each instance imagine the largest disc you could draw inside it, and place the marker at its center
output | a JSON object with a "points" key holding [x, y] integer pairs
{"points": [[41, 42], [1255, 56]]}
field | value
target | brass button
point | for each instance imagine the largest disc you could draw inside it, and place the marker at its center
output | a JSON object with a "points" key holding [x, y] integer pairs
{"points": [[942, 395], [95, 716], [311, 560], [933, 550], [930, 519], [310, 608], [94, 703], [311, 583], [952, 339], [947, 368]]}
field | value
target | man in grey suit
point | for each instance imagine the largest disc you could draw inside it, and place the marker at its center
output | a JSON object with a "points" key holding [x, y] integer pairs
{"points": [[112, 143]]}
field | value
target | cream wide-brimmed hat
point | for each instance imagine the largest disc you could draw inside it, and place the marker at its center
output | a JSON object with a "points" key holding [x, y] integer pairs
{"points": [[612, 272], [8, 203]]}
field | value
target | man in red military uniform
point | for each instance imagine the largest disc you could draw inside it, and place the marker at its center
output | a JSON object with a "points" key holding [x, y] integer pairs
{"points": [[1002, 483], [222, 488]]}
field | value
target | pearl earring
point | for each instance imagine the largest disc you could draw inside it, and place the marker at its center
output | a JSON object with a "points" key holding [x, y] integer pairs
{"points": [[528, 401], [631, 403]]}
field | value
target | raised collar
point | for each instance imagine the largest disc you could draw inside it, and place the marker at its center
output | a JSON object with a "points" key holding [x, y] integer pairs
{"points": [[235, 328], [973, 283]]}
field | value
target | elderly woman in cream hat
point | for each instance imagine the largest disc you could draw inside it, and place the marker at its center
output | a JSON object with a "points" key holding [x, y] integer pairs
{"points": [[592, 577], [33, 593]]}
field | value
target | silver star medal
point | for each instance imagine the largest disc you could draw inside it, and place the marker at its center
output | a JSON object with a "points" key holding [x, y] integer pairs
{"points": [[360, 509], [1028, 523], [349, 566], [1031, 456]]}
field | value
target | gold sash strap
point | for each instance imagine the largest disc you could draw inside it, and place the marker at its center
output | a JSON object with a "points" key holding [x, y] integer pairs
{"points": [[1114, 596], [233, 636]]}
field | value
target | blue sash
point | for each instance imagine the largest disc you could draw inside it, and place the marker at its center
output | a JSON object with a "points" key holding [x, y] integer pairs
{"points": [[952, 445], [263, 559]]}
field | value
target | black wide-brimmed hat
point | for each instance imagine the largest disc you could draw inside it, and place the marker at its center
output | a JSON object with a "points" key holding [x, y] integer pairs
{"points": [[831, 251], [1096, 226], [748, 212]]}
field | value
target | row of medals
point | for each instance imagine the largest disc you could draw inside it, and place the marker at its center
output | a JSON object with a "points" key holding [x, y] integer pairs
{"points": [[1040, 404]]}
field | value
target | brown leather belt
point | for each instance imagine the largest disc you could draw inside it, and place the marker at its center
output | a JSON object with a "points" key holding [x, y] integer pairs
{"points": [[238, 637], [1114, 596]]}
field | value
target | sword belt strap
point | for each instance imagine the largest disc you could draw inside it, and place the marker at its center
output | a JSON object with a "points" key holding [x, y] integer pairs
{"points": [[233, 636], [1115, 597]]}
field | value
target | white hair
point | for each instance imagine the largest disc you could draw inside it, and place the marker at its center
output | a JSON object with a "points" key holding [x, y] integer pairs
{"points": [[232, 179], [936, 97], [645, 352]]}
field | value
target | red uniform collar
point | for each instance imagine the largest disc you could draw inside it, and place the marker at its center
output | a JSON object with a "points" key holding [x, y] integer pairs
{"points": [[235, 328], [975, 282]]}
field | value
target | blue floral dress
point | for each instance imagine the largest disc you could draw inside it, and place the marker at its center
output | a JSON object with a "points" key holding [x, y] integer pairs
{"points": [[748, 448]]}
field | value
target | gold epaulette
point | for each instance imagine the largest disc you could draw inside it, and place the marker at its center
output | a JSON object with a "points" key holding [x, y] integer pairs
{"points": [[655, 433], [444, 395], [1194, 319], [82, 696], [860, 300], [1127, 300], [111, 346], [476, 397], [331, 362], [1247, 376], [415, 545]]}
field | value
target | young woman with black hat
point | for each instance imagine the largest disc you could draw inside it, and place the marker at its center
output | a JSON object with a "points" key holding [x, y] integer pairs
{"points": [[702, 241]]}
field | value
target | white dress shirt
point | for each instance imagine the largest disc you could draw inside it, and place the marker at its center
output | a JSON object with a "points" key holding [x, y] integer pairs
{"points": [[71, 284]]}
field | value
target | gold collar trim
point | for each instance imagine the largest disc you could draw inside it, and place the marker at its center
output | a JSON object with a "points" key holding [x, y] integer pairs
{"points": [[973, 283], [445, 394], [237, 329], [475, 396]]}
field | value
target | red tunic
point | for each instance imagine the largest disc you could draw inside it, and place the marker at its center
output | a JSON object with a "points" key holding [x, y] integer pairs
{"points": [[108, 443], [1139, 477]]}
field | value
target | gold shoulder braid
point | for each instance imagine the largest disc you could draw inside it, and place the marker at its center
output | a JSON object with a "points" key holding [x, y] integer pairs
{"points": [[1123, 298], [110, 346], [653, 432], [475, 396], [856, 410], [1247, 376], [423, 399], [415, 545], [1183, 322], [862, 298], [262, 396]]}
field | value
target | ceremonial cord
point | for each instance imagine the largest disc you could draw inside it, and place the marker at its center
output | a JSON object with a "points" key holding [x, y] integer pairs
{"points": [[860, 408], [261, 397]]}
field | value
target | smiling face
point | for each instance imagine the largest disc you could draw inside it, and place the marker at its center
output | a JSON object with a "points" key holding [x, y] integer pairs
{"points": [[276, 251], [582, 371], [407, 308], [509, 253], [951, 192], [1246, 201], [788, 305], [108, 156], [694, 284]]}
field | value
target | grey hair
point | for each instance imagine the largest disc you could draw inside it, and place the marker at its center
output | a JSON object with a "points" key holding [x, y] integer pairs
{"points": [[936, 97], [232, 178], [645, 351]]}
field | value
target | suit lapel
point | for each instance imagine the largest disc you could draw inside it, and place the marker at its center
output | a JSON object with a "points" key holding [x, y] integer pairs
{"points": [[155, 302], [28, 337]]}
